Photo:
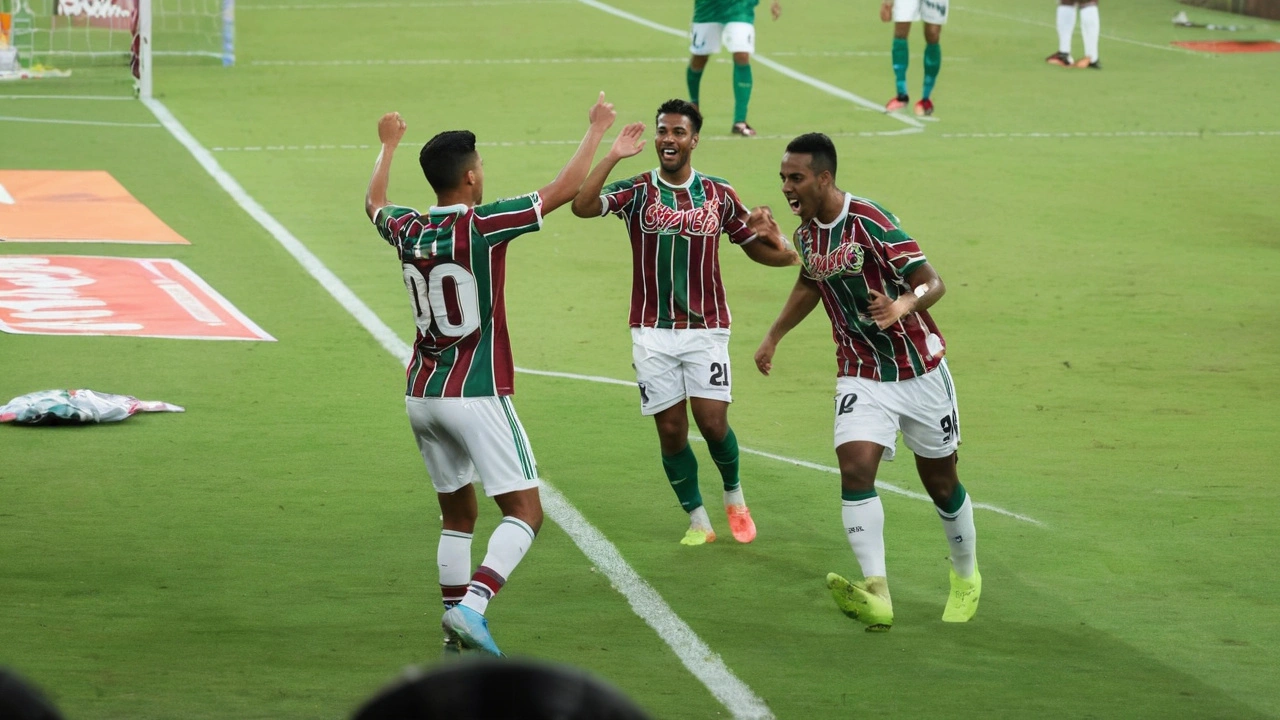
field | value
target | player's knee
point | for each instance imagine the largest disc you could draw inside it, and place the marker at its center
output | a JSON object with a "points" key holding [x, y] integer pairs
{"points": [[741, 58], [856, 476]]}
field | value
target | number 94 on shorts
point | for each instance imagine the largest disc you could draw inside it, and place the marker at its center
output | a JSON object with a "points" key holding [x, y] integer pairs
{"points": [[923, 409], [672, 365]]}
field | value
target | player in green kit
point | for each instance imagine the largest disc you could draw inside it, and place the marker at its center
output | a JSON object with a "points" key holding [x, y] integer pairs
{"points": [[933, 14], [731, 22], [679, 316], [877, 287]]}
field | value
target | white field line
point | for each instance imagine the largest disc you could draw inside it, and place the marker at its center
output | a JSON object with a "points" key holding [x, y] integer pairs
{"points": [[882, 485], [97, 123], [1028, 21], [869, 134], [708, 667], [775, 65], [888, 487], [700, 659], [65, 97]]}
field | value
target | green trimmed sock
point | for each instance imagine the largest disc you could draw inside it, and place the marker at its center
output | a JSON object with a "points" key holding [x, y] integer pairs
{"points": [[682, 473], [856, 495], [932, 64], [900, 60], [725, 455], [741, 92], [694, 79]]}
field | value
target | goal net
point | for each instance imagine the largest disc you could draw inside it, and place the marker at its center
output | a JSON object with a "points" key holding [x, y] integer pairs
{"points": [[59, 37]]}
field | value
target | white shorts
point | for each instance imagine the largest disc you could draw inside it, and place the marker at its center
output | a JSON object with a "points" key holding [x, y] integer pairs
{"points": [[705, 38], [922, 408], [933, 12], [672, 365], [460, 437]]}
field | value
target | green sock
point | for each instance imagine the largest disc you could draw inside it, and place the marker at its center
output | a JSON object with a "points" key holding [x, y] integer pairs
{"points": [[932, 63], [725, 455], [682, 473], [741, 92], [957, 499], [900, 59], [694, 79], [855, 496]]}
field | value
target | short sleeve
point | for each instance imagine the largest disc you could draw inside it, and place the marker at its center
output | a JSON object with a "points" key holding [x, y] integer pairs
{"points": [[891, 242], [617, 197], [507, 219], [731, 218], [392, 221]]}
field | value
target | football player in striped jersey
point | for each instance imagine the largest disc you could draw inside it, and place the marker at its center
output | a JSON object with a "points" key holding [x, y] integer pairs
{"points": [[877, 288], [679, 315], [461, 374]]}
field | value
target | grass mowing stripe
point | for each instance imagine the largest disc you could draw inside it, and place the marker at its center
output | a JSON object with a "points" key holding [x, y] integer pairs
{"points": [[772, 64], [96, 123], [647, 603]]}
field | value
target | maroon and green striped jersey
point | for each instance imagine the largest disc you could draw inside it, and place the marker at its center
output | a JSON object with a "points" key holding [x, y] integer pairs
{"points": [[675, 238], [454, 263], [865, 249]]}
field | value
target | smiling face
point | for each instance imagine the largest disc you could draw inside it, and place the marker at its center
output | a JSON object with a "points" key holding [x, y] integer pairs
{"points": [[803, 189], [674, 142]]}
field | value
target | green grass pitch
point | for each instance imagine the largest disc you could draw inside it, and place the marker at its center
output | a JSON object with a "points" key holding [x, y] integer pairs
{"points": [[1109, 243]]}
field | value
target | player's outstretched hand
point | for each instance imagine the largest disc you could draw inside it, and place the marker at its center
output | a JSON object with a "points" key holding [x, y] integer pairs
{"points": [[602, 113], [775, 10], [764, 356], [391, 129], [629, 142], [886, 11], [887, 312]]}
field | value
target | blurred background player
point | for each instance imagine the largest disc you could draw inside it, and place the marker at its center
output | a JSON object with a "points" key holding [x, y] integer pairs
{"points": [[877, 287], [679, 316], [933, 13], [733, 23], [1090, 29], [461, 376]]}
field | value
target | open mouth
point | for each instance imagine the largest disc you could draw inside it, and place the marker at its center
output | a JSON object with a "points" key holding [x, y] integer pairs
{"points": [[795, 205], [669, 153]]}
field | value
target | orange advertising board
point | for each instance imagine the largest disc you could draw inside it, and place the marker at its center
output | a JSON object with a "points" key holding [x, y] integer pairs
{"points": [[75, 206], [139, 297]]}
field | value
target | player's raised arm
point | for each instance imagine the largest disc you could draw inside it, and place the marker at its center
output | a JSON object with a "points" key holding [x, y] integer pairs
{"points": [[770, 247], [565, 186], [804, 297], [390, 131], [628, 144]]}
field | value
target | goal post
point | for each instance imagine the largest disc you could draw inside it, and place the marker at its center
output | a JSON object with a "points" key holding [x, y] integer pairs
{"points": [[111, 38]]}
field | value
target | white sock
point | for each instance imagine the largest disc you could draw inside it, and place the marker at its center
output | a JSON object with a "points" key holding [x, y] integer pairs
{"points": [[1066, 26], [734, 497], [963, 538], [507, 546], [1090, 28], [453, 558], [698, 519], [864, 525]]}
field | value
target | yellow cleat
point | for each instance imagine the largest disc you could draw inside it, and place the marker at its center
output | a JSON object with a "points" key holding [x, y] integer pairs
{"points": [[698, 537], [867, 602], [963, 601]]}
